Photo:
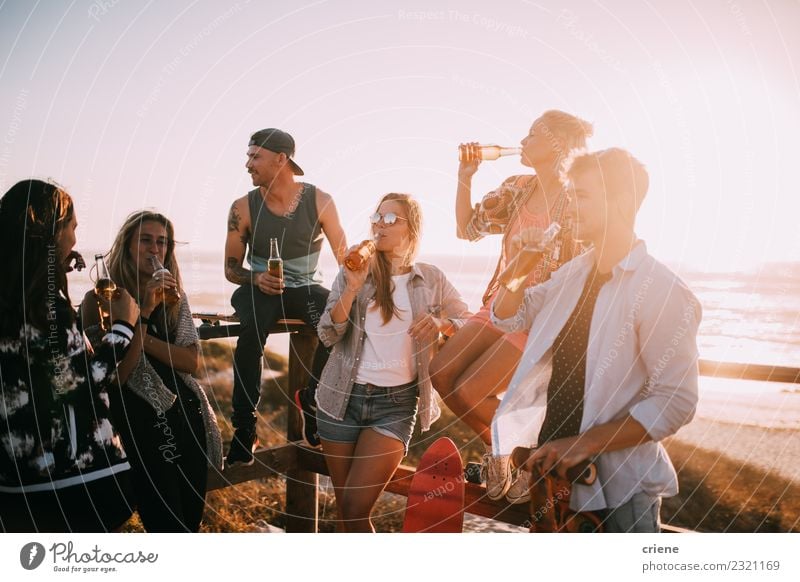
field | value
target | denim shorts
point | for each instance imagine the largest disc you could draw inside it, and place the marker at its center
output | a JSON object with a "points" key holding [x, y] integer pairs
{"points": [[390, 411]]}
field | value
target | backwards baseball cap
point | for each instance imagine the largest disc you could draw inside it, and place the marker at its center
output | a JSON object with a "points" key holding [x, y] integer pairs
{"points": [[276, 141]]}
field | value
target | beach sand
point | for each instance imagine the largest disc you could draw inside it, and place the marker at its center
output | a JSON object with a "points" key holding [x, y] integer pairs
{"points": [[738, 461], [776, 452], [721, 494]]}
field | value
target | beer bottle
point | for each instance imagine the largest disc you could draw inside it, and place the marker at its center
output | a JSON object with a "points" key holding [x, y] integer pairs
{"points": [[521, 266], [170, 296], [467, 152], [359, 257], [275, 262], [104, 287]]}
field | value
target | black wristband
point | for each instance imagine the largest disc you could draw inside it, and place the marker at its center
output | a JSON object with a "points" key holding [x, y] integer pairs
{"points": [[144, 320]]}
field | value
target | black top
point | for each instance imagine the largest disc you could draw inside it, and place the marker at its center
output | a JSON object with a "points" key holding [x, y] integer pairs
{"points": [[158, 327], [299, 235], [568, 381]]}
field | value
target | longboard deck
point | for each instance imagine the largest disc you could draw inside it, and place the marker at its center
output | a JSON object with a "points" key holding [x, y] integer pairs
{"points": [[436, 495]]}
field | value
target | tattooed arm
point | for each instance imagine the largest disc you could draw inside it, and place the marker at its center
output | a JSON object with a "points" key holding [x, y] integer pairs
{"points": [[236, 243]]}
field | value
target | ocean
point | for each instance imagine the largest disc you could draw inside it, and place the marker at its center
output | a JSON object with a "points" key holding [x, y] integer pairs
{"points": [[748, 317]]}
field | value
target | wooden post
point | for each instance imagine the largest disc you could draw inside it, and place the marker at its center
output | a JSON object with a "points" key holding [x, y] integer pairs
{"points": [[301, 485]]}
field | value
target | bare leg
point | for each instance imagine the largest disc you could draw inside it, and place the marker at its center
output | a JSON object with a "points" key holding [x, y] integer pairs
{"points": [[374, 461], [458, 353], [338, 457], [474, 397]]}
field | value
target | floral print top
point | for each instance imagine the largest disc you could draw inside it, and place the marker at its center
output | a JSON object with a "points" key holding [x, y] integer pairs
{"points": [[55, 429]]}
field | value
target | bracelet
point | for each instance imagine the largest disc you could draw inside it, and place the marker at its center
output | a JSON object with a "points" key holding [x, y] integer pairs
{"points": [[144, 320]]}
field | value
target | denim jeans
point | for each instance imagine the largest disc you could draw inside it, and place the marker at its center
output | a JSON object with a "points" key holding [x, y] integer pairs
{"points": [[258, 312], [640, 514]]}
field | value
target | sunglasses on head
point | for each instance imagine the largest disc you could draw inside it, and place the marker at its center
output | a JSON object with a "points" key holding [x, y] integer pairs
{"points": [[389, 218]]}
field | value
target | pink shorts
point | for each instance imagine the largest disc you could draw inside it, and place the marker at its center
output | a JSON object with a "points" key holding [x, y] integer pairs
{"points": [[518, 339]]}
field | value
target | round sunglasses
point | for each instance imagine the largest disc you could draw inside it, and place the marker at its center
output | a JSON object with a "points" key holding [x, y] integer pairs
{"points": [[389, 218]]}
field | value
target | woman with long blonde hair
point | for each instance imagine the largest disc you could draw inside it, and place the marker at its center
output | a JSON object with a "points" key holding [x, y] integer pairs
{"points": [[167, 424], [384, 322]]}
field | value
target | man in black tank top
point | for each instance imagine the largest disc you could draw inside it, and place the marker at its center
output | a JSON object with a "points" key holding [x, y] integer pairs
{"points": [[298, 215]]}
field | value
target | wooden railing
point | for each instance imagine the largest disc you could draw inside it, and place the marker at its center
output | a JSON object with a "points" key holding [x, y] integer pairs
{"points": [[301, 466]]}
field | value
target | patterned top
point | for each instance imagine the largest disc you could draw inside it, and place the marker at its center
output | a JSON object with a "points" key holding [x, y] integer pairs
{"points": [[568, 381], [501, 212], [54, 419]]}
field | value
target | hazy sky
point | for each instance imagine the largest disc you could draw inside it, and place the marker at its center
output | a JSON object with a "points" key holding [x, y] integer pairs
{"points": [[133, 104]]}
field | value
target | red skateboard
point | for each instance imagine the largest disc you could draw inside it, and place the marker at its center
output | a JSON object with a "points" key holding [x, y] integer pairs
{"points": [[436, 495]]}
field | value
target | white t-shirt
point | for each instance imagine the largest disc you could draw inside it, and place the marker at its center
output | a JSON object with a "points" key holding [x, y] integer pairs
{"points": [[388, 355]]}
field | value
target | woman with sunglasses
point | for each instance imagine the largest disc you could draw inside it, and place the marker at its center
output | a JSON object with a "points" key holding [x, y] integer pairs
{"points": [[384, 322], [167, 425]]}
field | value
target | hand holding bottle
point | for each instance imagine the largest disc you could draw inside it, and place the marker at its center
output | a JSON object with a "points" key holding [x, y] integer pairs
{"points": [[157, 288], [355, 279], [527, 237], [427, 327], [121, 306], [467, 165], [532, 243], [167, 285], [269, 284], [360, 256]]}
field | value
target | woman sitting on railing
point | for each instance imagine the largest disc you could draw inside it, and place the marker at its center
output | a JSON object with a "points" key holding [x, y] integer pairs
{"points": [[167, 425], [384, 322]]}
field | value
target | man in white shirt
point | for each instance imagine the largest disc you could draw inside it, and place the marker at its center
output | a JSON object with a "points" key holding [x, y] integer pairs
{"points": [[610, 367]]}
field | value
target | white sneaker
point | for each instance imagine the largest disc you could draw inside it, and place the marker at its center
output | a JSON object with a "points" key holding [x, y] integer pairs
{"points": [[496, 471], [520, 490]]}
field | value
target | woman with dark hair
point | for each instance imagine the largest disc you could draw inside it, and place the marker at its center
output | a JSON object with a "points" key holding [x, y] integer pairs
{"points": [[62, 465], [384, 322], [166, 421]]}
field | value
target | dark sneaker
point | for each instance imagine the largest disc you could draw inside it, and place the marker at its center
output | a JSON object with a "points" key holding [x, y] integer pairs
{"points": [[243, 444], [472, 473], [308, 417]]}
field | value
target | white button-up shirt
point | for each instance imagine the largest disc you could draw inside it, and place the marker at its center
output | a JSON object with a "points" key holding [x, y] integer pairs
{"points": [[641, 361]]}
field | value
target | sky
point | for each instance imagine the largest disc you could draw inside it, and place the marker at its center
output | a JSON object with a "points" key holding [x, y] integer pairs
{"points": [[145, 104]]}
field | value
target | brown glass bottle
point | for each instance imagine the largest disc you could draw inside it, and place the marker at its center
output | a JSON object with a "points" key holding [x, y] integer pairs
{"points": [[275, 262], [521, 266], [104, 287], [169, 295], [485, 153], [360, 256]]}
